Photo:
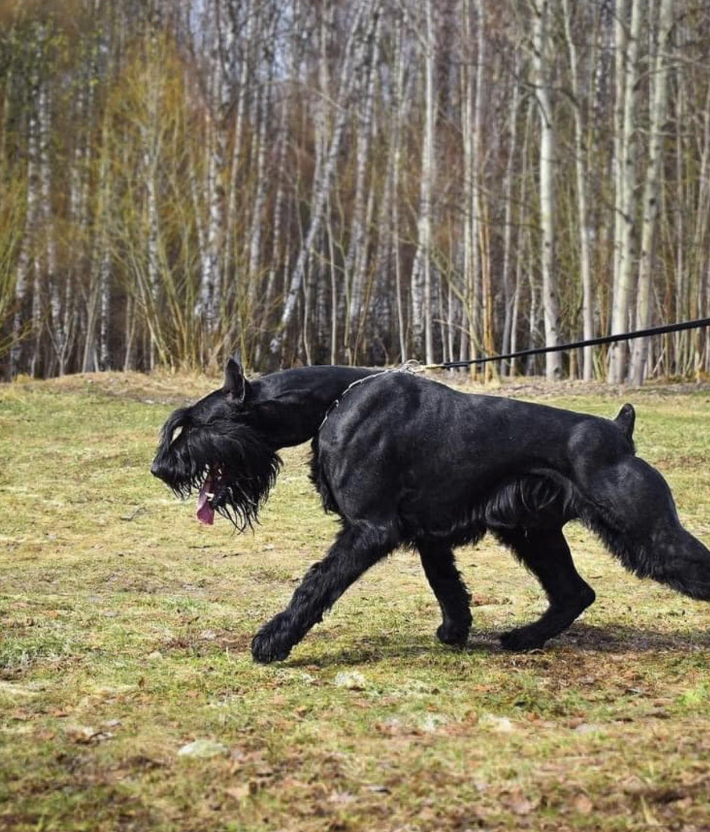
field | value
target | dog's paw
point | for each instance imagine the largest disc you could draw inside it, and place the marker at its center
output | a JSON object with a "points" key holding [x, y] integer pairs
{"points": [[522, 639], [265, 649], [270, 644], [453, 635]]}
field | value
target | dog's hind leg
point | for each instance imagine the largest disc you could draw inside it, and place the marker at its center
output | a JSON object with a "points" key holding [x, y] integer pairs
{"points": [[546, 554], [355, 550], [450, 591]]}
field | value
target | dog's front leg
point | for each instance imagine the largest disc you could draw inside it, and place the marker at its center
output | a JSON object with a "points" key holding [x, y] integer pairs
{"points": [[450, 591], [356, 549]]}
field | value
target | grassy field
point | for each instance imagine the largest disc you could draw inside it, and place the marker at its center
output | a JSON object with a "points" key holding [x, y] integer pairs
{"points": [[125, 629]]}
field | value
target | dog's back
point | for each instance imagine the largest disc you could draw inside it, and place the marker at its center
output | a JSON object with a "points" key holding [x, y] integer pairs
{"points": [[428, 458]]}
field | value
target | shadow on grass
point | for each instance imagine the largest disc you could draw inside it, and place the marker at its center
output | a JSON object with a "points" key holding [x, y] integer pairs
{"points": [[323, 649], [582, 638], [621, 639]]}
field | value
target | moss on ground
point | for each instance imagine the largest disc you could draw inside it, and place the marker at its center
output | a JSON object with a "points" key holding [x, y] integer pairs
{"points": [[125, 628]]}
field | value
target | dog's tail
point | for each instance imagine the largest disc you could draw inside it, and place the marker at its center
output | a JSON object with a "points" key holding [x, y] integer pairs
{"points": [[625, 421]]}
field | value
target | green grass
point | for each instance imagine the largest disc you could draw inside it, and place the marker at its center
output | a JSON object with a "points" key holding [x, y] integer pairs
{"points": [[125, 629]]}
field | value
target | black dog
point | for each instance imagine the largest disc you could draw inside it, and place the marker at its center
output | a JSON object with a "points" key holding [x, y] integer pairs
{"points": [[407, 461]]}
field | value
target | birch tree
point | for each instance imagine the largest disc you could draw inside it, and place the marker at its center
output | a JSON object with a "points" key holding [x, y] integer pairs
{"points": [[355, 54], [661, 68], [422, 270], [365, 181], [627, 204], [581, 173], [26, 259], [356, 260], [542, 80]]}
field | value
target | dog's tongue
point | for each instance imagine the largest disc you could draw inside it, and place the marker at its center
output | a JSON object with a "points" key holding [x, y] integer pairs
{"points": [[205, 512]]}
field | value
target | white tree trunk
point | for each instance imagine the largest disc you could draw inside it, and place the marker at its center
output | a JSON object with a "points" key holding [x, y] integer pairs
{"points": [[356, 260], [400, 98], [352, 66], [98, 255], [580, 158], [542, 60], [480, 301], [651, 187], [509, 292], [261, 188], [276, 259], [217, 100], [701, 235], [629, 140], [620, 62], [233, 256], [26, 256], [421, 271]]}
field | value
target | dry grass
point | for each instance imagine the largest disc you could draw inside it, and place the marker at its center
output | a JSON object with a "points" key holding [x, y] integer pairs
{"points": [[125, 629]]}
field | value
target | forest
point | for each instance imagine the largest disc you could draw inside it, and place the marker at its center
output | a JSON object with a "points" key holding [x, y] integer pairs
{"points": [[353, 181]]}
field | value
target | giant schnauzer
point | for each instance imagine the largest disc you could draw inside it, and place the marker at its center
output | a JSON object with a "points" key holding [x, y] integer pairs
{"points": [[407, 461]]}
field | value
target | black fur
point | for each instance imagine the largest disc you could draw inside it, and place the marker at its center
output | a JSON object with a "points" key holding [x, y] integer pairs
{"points": [[233, 435], [249, 463], [406, 461]]}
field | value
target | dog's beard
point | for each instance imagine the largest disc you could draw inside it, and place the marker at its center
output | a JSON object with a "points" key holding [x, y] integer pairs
{"points": [[232, 470]]}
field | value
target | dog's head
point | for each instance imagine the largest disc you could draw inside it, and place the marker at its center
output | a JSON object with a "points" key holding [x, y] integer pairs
{"points": [[215, 449]]}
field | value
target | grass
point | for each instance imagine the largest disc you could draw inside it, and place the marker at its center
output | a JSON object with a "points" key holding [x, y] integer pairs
{"points": [[125, 629]]}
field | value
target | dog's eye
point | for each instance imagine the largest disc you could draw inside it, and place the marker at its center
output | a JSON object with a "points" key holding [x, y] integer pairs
{"points": [[176, 434]]}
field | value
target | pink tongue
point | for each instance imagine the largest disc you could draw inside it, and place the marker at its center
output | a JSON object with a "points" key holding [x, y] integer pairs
{"points": [[205, 512]]}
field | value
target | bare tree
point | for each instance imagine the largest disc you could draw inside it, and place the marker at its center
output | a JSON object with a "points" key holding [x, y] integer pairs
{"points": [[367, 181], [581, 172], [627, 206], [542, 80], [651, 186], [355, 54]]}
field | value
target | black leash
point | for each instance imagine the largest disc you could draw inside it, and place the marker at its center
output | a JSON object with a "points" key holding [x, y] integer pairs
{"points": [[592, 342]]}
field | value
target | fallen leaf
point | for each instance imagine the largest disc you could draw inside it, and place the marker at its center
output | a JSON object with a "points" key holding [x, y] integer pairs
{"points": [[634, 785], [135, 513], [583, 804], [341, 797], [648, 816], [202, 749], [501, 724], [12, 690], [432, 722], [238, 793], [378, 788], [85, 734], [521, 805], [488, 601], [351, 680], [587, 728]]}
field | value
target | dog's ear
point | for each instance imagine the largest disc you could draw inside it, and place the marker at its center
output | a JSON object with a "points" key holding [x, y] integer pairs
{"points": [[625, 420], [235, 384]]}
